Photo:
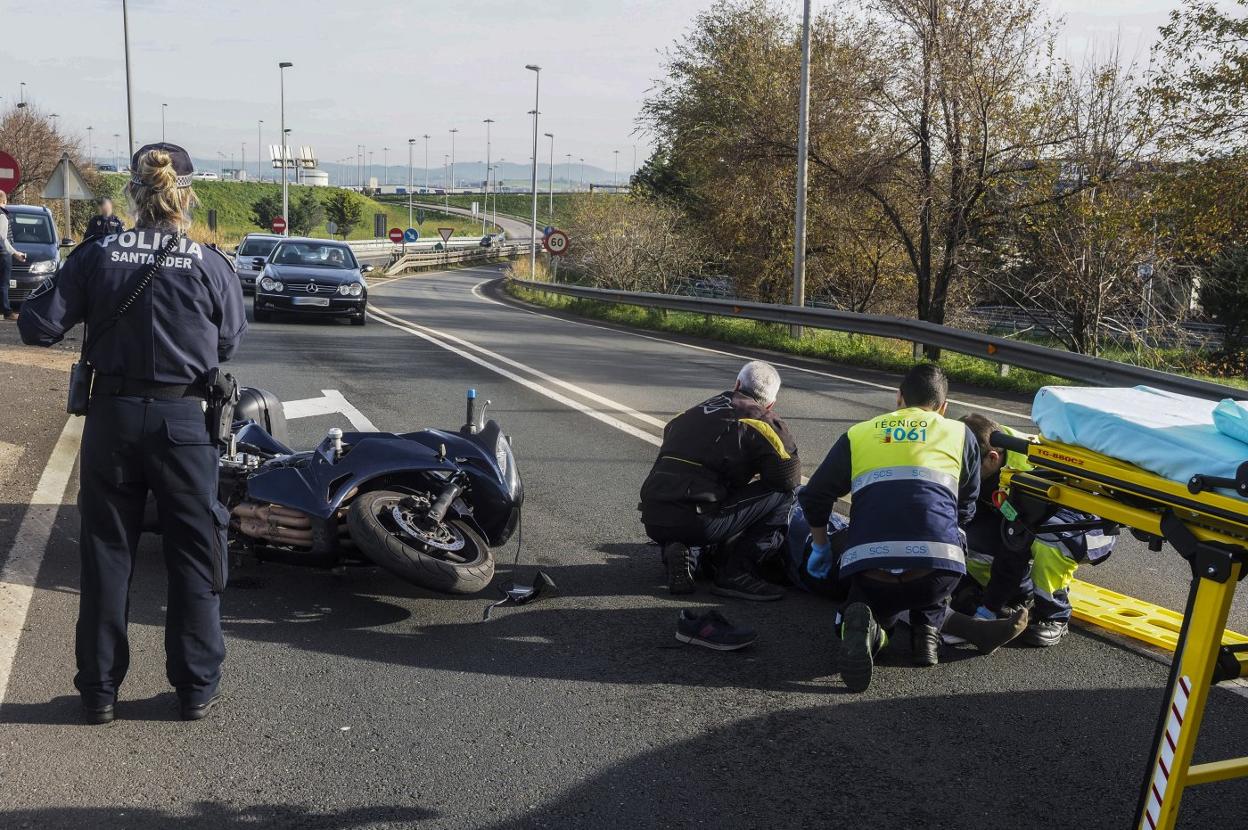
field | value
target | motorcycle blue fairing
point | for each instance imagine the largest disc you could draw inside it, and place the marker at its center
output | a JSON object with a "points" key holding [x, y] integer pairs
{"points": [[317, 483]]}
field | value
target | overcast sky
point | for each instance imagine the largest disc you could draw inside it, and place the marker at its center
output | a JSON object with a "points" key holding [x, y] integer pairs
{"points": [[378, 72]]}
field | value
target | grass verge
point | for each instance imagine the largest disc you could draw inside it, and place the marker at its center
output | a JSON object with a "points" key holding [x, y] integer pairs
{"points": [[832, 346]]}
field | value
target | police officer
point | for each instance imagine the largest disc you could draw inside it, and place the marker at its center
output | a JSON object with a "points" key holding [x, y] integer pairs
{"points": [[104, 222], [914, 475], [146, 428], [701, 489]]}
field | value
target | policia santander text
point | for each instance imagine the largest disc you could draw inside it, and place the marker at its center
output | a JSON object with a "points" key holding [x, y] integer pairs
{"points": [[146, 431], [914, 475]]}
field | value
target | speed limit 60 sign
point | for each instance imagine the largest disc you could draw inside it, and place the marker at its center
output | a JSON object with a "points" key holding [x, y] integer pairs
{"points": [[555, 243]]}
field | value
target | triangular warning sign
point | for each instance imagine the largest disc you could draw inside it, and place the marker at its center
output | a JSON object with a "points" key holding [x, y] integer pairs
{"points": [[445, 233], [67, 183]]}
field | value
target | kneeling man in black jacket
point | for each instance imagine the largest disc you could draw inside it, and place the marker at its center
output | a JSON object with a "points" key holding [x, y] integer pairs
{"points": [[725, 475]]}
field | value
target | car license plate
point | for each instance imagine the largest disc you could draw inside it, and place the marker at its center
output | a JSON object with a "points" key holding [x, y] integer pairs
{"points": [[318, 301]]}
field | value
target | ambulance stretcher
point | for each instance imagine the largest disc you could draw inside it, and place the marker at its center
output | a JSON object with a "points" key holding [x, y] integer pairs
{"points": [[1204, 519]]}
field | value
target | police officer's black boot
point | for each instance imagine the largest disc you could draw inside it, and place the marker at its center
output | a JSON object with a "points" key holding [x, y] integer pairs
{"points": [[96, 715], [924, 642]]}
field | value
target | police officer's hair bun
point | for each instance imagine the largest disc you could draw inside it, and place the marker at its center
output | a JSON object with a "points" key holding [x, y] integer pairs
{"points": [[156, 170], [154, 195]]}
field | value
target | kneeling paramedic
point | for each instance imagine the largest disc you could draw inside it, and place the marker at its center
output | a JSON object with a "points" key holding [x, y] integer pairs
{"points": [[161, 312], [1038, 575], [914, 475], [702, 488]]}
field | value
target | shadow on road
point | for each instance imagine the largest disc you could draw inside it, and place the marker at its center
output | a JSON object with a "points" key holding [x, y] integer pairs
{"points": [[208, 815]]}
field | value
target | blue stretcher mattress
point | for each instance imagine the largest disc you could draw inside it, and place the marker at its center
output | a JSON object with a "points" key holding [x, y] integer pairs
{"points": [[1172, 435]]}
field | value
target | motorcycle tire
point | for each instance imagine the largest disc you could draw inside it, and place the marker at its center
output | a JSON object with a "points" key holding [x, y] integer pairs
{"points": [[388, 546]]}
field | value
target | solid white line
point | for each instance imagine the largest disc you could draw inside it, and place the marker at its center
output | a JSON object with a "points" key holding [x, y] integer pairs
{"points": [[883, 386], [309, 407], [17, 576], [440, 339], [649, 420]]}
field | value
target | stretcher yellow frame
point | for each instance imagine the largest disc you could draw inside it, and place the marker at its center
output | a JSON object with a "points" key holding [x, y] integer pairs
{"points": [[1210, 530]]}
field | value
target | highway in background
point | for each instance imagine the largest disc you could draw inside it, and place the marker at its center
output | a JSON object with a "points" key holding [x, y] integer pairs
{"points": [[354, 700]]}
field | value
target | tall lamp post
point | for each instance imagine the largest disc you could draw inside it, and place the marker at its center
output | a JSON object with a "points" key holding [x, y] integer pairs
{"points": [[385, 165], [90, 145], [163, 108], [411, 142], [537, 99], [453, 131], [582, 173], [116, 154], [551, 179], [281, 71], [486, 211], [615, 174], [426, 137], [259, 151], [803, 133], [125, 28]]}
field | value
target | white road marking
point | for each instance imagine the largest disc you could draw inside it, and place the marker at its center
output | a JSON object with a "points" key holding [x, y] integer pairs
{"points": [[17, 576], [891, 389], [331, 402], [442, 340]]}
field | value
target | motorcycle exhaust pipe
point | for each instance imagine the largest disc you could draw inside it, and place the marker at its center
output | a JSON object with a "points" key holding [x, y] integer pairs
{"points": [[273, 515], [437, 511], [257, 529]]}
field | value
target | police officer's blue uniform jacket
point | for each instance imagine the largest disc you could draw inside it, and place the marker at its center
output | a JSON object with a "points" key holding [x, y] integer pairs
{"points": [[914, 476], [146, 432], [190, 318]]}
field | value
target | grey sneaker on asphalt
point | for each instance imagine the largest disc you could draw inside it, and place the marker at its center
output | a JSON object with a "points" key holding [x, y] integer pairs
{"points": [[1045, 633], [712, 630], [746, 586], [861, 639], [679, 563]]}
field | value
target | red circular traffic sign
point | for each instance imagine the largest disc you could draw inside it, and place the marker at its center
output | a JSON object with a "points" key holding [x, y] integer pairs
{"points": [[279, 224], [556, 243], [396, 235], [10, 173]]}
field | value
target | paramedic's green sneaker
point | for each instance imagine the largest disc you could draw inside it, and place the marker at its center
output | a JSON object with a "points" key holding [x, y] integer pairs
{"points": [[1045, 633], [861, 640]]}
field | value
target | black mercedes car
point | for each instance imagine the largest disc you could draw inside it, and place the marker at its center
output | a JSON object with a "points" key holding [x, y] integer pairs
{"points": [[34, 234], [312, 276]]}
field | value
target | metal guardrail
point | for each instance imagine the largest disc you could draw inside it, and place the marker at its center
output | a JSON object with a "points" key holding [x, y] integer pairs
{"points": [[406, 262], [1092, 370]]}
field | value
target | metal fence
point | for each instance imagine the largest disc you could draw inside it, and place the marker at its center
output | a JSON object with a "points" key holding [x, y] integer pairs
{"points": [[1092, 370]]}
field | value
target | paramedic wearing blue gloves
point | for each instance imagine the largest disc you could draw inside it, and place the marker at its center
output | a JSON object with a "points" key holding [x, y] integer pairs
{"points": [[146, 429], [914, 475]]}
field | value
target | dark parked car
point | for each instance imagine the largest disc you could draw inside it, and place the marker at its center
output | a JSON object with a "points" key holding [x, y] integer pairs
{"points": [[34, 234], [314, 277], [254, 246]]}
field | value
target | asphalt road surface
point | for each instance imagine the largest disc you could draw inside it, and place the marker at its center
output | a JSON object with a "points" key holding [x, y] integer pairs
{"points": [[354, 700]]}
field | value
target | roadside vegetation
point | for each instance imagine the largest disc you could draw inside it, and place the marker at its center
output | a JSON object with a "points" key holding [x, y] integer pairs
{"points": [[961, 173]]}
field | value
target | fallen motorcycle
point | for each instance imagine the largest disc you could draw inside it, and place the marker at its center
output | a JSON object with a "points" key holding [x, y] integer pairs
{"points": [[428, 506]]}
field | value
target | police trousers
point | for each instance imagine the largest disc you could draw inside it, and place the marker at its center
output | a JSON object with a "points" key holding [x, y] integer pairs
{"points": [[131, 446], [753, 519]]}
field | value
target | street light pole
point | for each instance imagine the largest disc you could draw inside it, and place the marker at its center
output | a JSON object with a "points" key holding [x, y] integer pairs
{"points": [[615, 174], [426, 137], [582, 174], [259, 151], [116, 154], [385, 165], [453, 131], [485, 212], [411, 142], [803, 133], [90, 146], [125, 26], [163, 107], [537, 100], [281, 71], [551, 180]]}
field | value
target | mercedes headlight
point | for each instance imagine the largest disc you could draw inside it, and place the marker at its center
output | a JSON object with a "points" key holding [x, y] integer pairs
{"points": [[42, 269], [356, 289], [277, 286], [268, 283], [344, 289]]}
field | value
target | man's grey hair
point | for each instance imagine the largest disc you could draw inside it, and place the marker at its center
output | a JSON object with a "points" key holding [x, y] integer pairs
{"points": [[760, 381]]}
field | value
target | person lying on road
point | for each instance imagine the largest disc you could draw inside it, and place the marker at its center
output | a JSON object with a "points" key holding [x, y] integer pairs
{"points": [[701, 490]]}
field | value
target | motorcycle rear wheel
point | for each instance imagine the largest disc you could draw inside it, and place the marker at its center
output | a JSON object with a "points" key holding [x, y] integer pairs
{"points": [[465, 565]]}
